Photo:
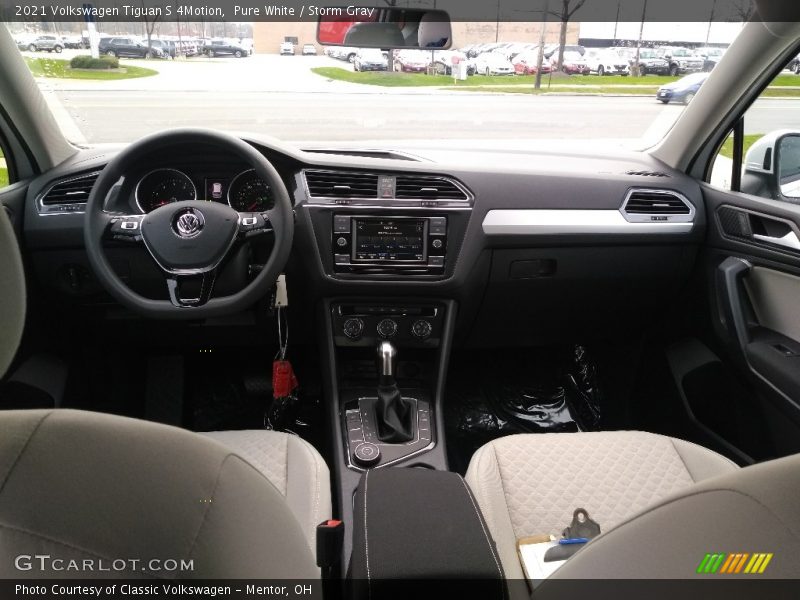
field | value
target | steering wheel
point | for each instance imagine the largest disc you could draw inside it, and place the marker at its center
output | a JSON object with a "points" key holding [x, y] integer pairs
{"points": [[188, 240]]}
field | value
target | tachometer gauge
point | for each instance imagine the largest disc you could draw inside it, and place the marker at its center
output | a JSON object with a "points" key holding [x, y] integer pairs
{"points": [[163, 186], [248, 193]]}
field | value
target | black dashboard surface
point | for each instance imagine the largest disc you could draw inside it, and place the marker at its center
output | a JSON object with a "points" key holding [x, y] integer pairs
{"points": [[483, 271]]}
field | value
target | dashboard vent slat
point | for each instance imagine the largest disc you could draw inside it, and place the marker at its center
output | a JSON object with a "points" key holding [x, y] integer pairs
{"points": [[75, 190], [653, 205], [341, 184], [410, 187]]}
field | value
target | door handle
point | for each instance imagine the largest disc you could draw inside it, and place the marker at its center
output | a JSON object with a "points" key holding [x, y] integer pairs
{"points": [[790, 240], [730, 302]]}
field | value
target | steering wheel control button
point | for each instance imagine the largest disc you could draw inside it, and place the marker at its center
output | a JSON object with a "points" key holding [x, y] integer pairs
{"points": [[387, 328], [188, 223], [421, 329], [126, 229], [353, 328], [367, 454]]}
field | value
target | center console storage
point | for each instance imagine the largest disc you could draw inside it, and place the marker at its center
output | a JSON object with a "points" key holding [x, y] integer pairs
{"points": [[417, 528]]}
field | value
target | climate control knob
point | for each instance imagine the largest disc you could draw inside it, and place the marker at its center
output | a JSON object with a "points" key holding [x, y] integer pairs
{"points": [[387, 328], [421, 328], [353, 328]]}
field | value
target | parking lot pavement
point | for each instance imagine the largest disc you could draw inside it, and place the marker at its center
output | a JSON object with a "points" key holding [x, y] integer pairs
{"points": [[119, 116]]}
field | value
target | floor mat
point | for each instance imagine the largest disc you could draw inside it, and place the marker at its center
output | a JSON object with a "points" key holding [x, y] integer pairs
{"points": [[490, 395]]}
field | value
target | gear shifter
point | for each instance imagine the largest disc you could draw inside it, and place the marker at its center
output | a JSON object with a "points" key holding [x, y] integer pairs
{"points": [[394, 414]]}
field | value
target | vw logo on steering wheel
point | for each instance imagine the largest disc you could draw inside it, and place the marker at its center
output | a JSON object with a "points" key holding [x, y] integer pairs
{"points": [[188, 223]]}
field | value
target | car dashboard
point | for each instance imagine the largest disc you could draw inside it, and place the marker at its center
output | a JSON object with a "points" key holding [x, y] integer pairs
{"points": [[488, 230]]}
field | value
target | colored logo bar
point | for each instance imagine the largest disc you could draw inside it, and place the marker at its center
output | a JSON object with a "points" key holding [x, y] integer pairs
{"points": [[734, 563]]}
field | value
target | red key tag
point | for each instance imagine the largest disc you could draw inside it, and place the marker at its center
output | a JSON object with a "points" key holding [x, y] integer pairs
{"points": [[284, 381]]}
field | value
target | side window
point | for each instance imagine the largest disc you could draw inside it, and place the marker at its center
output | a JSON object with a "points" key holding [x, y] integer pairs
{"points": [[770, 141], [3, 169]]}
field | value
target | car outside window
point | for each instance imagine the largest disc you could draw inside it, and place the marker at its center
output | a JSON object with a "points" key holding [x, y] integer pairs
{"points": [[771, 144]]}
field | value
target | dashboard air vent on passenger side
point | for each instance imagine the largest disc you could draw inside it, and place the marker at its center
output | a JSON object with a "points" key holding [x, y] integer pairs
{"points": [[653, 205], [341, 184], [68, 195], [412, 187]]}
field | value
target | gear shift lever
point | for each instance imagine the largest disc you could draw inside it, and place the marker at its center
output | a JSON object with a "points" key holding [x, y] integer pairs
{"points": [[387, 363], [394, 413]]}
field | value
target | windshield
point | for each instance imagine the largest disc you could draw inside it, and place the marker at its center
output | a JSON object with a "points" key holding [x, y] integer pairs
{"points": [[276, 79]]}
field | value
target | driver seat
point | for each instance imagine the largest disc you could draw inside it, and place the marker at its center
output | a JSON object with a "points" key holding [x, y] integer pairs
{"points": [[89, 486]]}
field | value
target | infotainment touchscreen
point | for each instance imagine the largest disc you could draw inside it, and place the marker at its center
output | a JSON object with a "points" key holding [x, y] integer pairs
{"points": [[389, 240]]}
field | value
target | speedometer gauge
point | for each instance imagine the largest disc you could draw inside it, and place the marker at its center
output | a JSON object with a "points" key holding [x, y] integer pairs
{"points": [[163, 186], [248, 193]]}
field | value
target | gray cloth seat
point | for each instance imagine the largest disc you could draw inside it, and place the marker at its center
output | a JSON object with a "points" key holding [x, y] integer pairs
{"points": [[530, 484], [293, 466], [88, 486]]}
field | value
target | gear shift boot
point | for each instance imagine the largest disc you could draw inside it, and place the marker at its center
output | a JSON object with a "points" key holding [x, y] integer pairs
{"points": [[394, 414]]}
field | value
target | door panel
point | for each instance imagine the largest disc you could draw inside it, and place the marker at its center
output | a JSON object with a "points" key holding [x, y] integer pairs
{"points": [[755, 264], [775, 297]]}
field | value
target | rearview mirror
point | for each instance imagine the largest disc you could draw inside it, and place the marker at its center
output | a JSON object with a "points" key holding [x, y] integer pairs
{"points": [[362, 27], [772, 166]]}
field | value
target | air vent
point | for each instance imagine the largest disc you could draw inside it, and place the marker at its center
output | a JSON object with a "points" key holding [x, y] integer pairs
{"points": [[647, 173], [68, 195], [657, 205], [341, 184], [411, 187]]}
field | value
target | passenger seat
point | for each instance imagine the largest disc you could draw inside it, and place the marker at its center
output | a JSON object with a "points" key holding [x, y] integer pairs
{"points": [[530, 484]]}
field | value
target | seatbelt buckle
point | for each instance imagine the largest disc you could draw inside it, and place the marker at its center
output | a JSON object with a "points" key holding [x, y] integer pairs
{"points": [[330, 535]]}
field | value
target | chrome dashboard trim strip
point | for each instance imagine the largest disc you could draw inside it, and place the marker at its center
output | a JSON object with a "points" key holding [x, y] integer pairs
{"points": [[572, 222]]}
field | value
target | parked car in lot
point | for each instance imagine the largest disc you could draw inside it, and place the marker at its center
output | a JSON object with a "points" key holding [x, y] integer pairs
{"points": [[309, 50], [681, 60], [551, 50], [225, 48], [443, 61], [287, 49], [493, 63], [573, 63], [48, 43], [370, 59], [347, 53], [127, 47], [794, 65], [189, 47], [604, 61], [74, 42], [682, 90], [412, 61], [710, 56], [526, 63], [168, 48], [650, 63]]}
